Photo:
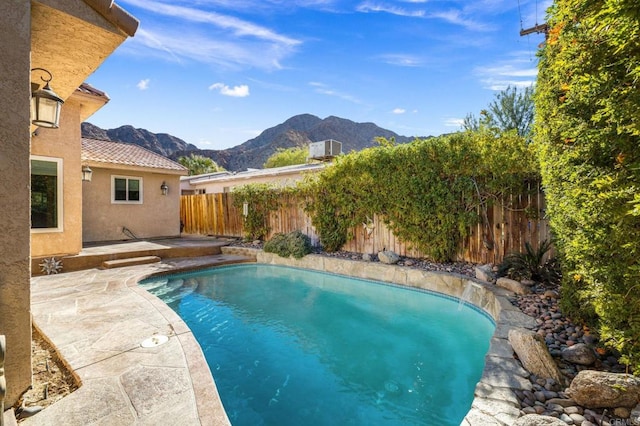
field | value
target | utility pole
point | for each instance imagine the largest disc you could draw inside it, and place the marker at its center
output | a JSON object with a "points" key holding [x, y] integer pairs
{"points": [[538, 28]]}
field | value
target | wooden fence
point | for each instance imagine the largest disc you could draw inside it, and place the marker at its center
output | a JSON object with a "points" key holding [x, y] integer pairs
{"points": [[505, 230]]}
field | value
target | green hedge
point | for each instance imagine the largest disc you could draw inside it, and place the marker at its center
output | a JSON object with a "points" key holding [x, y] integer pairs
{"points": [[588, 132], [427, 191]]}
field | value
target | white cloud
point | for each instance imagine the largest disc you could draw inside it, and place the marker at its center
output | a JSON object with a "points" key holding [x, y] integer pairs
{"points": [[241, 91], [323, 89], [456, 17], [516, 71], [143, 84], [237, 26], [209, 37], [402, 60], [399, 111], [453, 122], [176, 45], [370, 6], [417, 9]]}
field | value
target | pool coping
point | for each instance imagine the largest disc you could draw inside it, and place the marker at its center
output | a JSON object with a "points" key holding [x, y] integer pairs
{"points": [[495, 401]]}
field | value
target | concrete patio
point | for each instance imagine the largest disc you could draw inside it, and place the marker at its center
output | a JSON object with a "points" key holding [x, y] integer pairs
{"points": [[98, 319]]}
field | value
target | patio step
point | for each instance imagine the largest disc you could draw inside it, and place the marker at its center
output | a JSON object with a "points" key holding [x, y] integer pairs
{"points": [[132, 261]]}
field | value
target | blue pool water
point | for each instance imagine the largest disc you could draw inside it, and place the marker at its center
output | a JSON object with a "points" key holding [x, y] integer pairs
{"points": [[296, 347]]}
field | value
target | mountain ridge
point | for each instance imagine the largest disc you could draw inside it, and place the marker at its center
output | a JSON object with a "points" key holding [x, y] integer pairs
{"points": [[297, 131]]}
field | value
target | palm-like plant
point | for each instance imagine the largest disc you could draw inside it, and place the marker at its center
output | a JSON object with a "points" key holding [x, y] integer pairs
{"points": [[199, 164], [531, 265]]}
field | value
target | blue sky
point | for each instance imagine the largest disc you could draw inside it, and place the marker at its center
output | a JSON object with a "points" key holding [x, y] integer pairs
{"points": [[218, 72]]}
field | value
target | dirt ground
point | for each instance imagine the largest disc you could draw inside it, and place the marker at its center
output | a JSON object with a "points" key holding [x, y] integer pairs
{"points": [[52, 380]]}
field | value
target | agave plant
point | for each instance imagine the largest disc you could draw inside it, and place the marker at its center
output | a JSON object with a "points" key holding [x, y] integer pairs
{"points": [[51, 266], [531, 265]]}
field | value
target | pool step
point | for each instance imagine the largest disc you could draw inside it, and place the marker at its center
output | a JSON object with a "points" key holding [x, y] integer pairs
{"points": [[133, 261]]}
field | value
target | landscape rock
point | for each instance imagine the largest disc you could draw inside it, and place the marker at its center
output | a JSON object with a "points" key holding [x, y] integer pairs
{"points": [[513, 285], [535, 420], [534, 355], [635, 415], [485, 273], [601, 389], [366, 257], [550, 294], [579, 354], [388, 257], [622, 412]]}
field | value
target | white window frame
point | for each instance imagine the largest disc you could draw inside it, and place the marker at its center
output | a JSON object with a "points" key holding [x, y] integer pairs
{"points": [[59, 190], [113, 189]]}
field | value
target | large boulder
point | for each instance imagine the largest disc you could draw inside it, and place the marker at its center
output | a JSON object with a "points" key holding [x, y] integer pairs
{"points": [[534, 354], [485, 273], [579, 354], [388, 257], [601, 389], [536, 420], [513, 285]]}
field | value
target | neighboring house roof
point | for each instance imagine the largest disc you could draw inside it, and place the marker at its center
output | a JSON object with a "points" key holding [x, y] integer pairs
{"points": [[252, 173], [108, 154]]}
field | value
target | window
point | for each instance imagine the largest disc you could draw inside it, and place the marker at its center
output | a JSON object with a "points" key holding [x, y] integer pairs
{"points": [[46, 194], [126, 190]]}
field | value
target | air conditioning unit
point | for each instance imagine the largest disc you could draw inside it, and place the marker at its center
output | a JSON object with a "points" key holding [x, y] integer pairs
{"points": [[324, 150]]}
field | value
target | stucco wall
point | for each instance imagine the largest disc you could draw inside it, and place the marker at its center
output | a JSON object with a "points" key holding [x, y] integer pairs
{"points": [[157, 216], [63, 143], [219, 186], [15, 217]]}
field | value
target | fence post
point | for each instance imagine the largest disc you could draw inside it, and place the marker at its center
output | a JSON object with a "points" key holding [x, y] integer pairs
{"points": [[3, 382]]}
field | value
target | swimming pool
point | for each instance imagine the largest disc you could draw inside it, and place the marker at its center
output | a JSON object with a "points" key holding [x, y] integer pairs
{"points": [[290, 346]]}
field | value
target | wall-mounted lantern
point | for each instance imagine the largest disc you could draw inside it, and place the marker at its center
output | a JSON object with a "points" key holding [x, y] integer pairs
{"points": [[164, 188], [86, 173], [45, 104]]}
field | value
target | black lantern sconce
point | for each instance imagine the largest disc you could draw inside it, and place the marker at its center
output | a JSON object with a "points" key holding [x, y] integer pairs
{"points": [[164, 188], [45, 104]]}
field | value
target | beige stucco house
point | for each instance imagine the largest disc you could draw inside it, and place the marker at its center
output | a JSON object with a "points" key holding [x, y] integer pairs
{"points": [[133, 192], [213, 183], [56, 178], [69, 39]]}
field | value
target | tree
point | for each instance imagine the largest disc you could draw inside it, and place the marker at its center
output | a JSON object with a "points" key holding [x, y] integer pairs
{"points": [[199, 164], [511, 109], [588, 133], [287, 157]]}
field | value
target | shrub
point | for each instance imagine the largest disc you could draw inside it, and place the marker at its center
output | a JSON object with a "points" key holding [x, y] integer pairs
{"points": [[294, 244], [587, 107], [261, 199], [531, 265]]}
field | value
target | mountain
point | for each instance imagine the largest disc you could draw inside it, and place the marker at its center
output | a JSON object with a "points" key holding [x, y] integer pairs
{"points": [[161, 143], [297, 131]]}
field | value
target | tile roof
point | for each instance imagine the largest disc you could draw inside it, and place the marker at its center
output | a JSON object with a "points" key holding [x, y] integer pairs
{"points": [[100, 151]]}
